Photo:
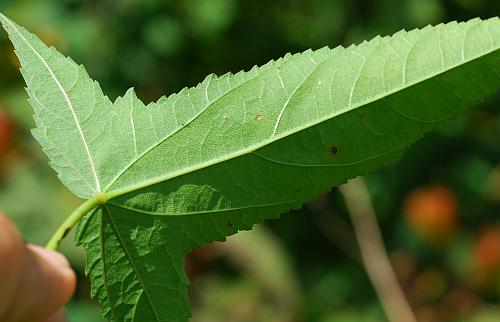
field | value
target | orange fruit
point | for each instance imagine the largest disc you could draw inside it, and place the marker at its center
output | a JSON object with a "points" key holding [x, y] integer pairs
{"points": [[431, 212]]}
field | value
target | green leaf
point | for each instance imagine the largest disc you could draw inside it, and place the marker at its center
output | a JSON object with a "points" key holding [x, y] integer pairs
{"points": [[202, 164]]}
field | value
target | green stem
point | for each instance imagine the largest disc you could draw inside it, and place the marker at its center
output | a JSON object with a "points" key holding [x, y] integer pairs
{"points": [[74, 218]]}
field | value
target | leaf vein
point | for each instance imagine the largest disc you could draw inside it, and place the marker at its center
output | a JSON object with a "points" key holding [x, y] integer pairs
{"points": [[68, 101], [131, 261]]}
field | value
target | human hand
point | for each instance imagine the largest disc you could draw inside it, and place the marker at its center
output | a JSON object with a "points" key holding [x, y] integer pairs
{"points": [[34, 283]]}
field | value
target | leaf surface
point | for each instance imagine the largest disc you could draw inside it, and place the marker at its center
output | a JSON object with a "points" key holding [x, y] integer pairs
{"points": [[202, 164]]}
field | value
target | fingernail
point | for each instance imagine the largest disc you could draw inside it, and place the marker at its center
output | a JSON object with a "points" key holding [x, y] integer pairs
{"points": [[54, 258], [59, 316]]}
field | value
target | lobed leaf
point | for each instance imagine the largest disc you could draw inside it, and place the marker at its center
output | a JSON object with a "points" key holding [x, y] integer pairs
{"points": [[202, 164]]}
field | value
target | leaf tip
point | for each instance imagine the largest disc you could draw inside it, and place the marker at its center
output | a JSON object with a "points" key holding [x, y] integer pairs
{"points": [[131, 91], [6, 23], [3, 19]]}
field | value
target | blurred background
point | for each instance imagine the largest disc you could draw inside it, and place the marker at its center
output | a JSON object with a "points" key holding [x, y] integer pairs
{"points": [[438, 207]]}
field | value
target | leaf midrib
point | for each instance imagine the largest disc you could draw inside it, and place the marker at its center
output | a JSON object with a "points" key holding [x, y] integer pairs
{"points": [[203, 212], [131, 261], [66, 98], [198, 114], [252, 148]]}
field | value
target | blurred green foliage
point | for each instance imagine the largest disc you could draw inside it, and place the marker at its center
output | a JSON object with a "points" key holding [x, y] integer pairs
{"points": [[161, 46]]}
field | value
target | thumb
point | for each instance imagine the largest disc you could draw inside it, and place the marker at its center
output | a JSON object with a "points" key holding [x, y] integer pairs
{"points": [[54, 276], [48, 283], [43, 280]]}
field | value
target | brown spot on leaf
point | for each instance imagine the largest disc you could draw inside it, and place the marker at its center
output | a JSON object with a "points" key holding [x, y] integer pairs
{"points": [[258, 116], [334, 150], [230, 225]]}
